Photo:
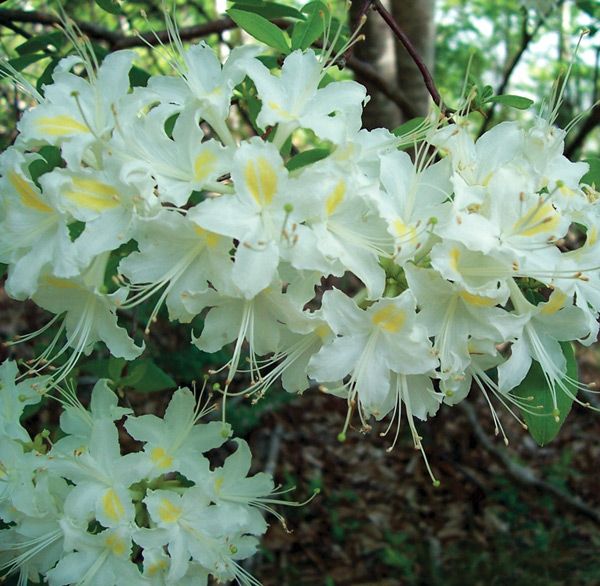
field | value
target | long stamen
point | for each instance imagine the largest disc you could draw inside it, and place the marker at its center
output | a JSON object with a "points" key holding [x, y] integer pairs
{"points": [[401, 386]]}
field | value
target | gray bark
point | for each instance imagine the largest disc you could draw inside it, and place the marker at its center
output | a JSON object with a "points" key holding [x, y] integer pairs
{"points": [[415, 18], [388, 57], [378, 50]]}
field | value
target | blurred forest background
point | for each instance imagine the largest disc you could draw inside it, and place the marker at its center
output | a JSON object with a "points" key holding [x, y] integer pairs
{"points": [[503, 515]]}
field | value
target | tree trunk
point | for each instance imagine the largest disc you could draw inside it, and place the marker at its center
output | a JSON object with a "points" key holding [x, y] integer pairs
{"points": [[387, 56], [415, 18], [378, 51]]}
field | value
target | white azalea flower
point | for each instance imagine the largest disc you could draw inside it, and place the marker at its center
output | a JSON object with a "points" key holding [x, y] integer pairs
{"points": [[14, 397], [34, 230], [89, 317], [295, 100], [178, 255], [454, 315], [204, 85], [263, 215], [176, 442], [78, 114], [371, 345], [547, 324]]}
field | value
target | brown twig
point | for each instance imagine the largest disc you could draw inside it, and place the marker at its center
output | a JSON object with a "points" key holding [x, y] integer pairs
{"points": [[360, 19], [406, 43], [114, 39], [8, 17], [369, 73]]}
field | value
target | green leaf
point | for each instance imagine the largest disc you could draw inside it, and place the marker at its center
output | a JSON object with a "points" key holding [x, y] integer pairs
{"points": [[254, 106], [518, 102], [142, 374], [115, 368], [76, 229], [41, 43], [116, 256], [51, 158], [46, 77], [111, 6], [406, 129], [590, 6], [487, 93], [20, 63], [135, 374], [261, 29], [170, 124], [543, 426], [592, 177], [269, 61], [109, 368], [306, 158], [269, 10], [305, 33], [52, 155], [138, 77], [146, 377]]}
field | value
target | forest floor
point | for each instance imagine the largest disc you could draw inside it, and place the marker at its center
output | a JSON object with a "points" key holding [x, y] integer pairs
{"points": [[502, 515]]}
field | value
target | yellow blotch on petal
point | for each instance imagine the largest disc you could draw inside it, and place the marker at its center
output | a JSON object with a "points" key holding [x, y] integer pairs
{"points": [[323, 331], [261, 179], [566, 191], [537, 220], [60, 283], [168, 512], [59, 125], [277, 108], [336, 197], [115, 543], [203, 165], [390, 318], [486, 180], [93, 194], [211, 238], [218, 484], [160, 458], [407, 234], [454, 254], [112, 505], [592, 236], [477, 300], [157, 567], [29, 197], [556, 302]]}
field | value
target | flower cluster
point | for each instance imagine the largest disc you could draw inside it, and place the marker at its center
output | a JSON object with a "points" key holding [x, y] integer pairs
{"points": [[81, 513], [462, 253]]}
